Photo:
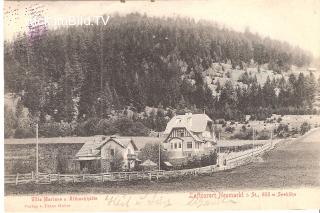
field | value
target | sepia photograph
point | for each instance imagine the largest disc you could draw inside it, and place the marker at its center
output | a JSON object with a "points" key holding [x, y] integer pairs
{"points": [[161, 105]]}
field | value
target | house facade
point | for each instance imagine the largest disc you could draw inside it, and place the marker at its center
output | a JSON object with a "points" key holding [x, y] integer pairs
{"points": [[107, 154], [188, 135]]}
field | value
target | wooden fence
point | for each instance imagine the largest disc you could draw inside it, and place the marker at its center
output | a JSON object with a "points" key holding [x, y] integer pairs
{"points": [[43, 178]]}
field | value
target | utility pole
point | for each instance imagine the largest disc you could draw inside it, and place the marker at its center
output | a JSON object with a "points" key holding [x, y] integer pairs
{"points": [[253, 137], [219, 140], [101, 68], [271, 136], [159, 155], [37, 151]]}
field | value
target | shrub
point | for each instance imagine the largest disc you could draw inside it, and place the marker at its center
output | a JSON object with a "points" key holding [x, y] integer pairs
{"points": [[282, 131], [55, 129], [24, 132], [243, 128], [229, 129], [305, 127], [10, 122], [128, 127], [263, 135], [25, 129], [207, 160], [106, 127], [88, 127], [247, 135]]}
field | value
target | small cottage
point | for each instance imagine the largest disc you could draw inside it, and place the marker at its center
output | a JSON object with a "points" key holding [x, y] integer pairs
{"points": [[189, 135], [107, 154]]}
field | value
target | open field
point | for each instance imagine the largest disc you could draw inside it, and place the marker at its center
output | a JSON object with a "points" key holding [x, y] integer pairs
{"points": [[291, 164]]}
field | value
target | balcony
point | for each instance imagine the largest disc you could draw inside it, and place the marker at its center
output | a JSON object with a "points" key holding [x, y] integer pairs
{"points": [[131, 156]]}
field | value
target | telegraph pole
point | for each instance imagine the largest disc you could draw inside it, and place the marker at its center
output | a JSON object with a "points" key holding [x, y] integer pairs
{"points": [[253, 137], [101, 69], [37, 150], [159, 155], [271, 136], [219, 148]]}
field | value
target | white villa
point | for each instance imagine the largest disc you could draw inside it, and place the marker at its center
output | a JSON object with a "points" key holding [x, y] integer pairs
{"points": [[188, 135]]}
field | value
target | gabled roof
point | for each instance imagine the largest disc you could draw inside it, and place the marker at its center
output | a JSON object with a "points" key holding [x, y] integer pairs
{"points": [[198, 137], [93, 147], [123, 142], [148, 163], [192, 122]]}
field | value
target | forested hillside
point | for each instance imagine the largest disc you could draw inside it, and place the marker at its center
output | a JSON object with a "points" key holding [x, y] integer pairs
{"points": [[80, 73]]}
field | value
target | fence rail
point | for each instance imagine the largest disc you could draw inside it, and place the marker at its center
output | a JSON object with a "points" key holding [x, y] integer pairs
{"points": [[44, 178]]}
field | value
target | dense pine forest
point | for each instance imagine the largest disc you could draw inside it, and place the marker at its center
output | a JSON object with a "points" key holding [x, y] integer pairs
{"points": [[81, 78]]}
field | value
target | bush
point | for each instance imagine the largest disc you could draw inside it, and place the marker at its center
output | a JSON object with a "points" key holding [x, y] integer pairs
{"points": [[10, 122], [24, 132], [243, 135], [106, 127], [128, 127], [55, 129], [263, 135], [25, 129], [88, 127], [229, 129], [305, 127], [282, 131]]}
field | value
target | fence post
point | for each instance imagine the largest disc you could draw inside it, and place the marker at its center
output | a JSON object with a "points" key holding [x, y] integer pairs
{"points": [[129, 177], [32, 175], [102, 178], [17, 177], [74, 178], [150, 176], [83, 177]]}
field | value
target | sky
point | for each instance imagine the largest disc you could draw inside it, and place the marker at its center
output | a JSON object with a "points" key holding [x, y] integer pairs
{"points": [[294, 21]]}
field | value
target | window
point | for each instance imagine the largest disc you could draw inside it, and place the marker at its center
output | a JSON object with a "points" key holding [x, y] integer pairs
{"points": [[175, 145], [112, 152], [171, 145], [181, 134], [179, 145], [189, 145], [197, 145]]}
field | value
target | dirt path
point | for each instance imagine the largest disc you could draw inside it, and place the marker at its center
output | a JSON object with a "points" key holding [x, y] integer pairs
{"points": [[291, 164]]}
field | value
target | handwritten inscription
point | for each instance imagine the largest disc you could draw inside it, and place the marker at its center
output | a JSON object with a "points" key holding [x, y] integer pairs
{"points": [[159, 200]]}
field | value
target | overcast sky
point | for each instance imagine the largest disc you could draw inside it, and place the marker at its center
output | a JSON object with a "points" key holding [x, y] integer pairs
{"points": [[295, 21]]}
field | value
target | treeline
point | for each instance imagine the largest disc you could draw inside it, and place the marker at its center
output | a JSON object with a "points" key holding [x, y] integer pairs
{"points": [[294, 95], [126, 123], [84, 72]]}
